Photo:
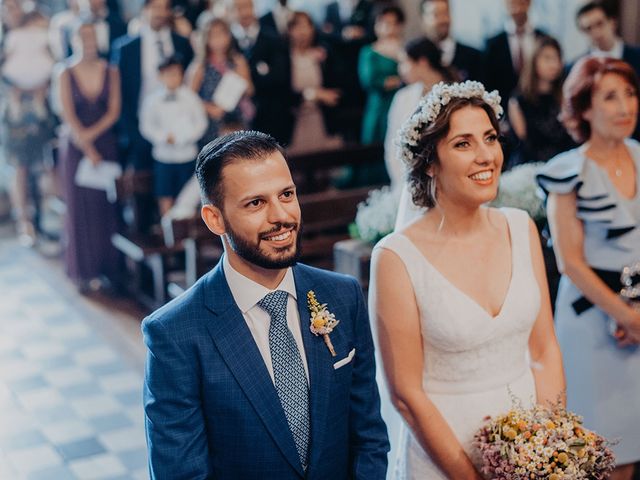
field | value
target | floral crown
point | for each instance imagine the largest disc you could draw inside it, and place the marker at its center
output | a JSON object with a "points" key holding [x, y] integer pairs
{"points": [[430, 106]]}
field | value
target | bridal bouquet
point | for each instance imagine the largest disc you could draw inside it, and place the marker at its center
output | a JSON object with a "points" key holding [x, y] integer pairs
{"points": [[542, 442]]}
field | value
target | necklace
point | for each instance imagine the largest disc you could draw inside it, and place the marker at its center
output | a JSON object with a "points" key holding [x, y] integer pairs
{"points": [[618, 168]]}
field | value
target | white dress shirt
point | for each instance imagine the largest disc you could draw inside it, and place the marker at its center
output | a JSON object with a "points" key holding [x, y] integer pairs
{"points": [[247, 294], [448, 49], [281, 15], [246, 37], [528, 39], [179, 113], [150, 52], [615, 52]]}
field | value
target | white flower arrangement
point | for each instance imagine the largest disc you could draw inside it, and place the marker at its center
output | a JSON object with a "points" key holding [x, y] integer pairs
{"points": [[376, 216], [430, 106], [518, 189]]}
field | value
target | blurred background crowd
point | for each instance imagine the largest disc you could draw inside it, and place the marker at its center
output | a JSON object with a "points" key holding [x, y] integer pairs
{"points": [[94, 88]]}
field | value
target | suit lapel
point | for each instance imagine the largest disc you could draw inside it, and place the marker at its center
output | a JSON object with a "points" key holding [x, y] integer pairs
{"points": [[237, 347], [320, 373]]}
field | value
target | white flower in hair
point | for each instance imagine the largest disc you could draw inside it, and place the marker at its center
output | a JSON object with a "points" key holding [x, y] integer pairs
{"points": [[430, 106]]}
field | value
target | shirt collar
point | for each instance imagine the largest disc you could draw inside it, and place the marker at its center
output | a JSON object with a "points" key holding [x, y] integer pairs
{"points": [[248, 293], [615, 52], [510, 27], [251, 32], [448, 48], [147, 32]]}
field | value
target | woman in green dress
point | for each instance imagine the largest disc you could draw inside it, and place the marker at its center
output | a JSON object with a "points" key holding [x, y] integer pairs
{"points": [[378, 71]]}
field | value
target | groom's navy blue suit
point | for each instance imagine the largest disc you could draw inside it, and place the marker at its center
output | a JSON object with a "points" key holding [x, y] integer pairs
{"points": [[212, 410]]}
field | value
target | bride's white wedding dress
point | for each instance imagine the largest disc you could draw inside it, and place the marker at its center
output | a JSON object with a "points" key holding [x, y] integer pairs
{"points": [[474, 363]]}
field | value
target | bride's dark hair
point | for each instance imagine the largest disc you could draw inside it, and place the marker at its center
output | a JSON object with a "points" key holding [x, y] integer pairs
{"points": [[421, 184]]}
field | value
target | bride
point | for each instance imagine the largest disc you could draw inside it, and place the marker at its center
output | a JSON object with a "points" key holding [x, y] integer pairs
{"points": [[460, 295]]}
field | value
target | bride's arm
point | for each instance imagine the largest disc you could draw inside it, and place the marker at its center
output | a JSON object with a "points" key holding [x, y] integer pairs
{"points": [[543, 345], [398, 326]]}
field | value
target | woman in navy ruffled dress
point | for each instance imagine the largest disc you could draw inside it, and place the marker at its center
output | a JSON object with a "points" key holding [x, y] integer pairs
{"points": [[593, 208]]}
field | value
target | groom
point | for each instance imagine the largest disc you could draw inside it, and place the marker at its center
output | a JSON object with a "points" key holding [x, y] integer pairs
{"points": [[237, 386]]}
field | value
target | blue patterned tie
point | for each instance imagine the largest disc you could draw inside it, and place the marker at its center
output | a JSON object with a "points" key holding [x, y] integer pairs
{"points": [[288, 371]]}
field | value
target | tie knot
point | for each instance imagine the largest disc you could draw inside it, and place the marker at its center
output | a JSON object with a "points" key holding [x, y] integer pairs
{"points": [[275, 303]]}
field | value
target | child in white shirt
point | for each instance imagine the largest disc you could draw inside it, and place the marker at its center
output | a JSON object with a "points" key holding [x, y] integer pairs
{"points": [[172, 119]]}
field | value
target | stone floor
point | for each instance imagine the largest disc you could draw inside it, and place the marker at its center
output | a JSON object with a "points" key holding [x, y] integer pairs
{"points": [[71, 369]]}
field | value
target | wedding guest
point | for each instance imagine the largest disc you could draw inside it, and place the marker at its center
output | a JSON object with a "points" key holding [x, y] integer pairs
{"points": [[378, 70], [26, 123], [507, 52], [598, 23], [137, 58], [311, 75], [533, 111], [60, 27], [421, 68], [108, 23], [436, 21], [348, 25], [173, 120], [218, 56], [277, 19], [90, 96], [593, 208], [270, 68]]}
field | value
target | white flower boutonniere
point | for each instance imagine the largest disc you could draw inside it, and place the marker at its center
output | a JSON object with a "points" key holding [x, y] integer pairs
{"points": [[322, 321]]}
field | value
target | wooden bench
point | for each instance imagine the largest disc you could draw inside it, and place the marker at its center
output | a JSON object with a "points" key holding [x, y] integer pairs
{"points": [[147, 255], [313, 172]]}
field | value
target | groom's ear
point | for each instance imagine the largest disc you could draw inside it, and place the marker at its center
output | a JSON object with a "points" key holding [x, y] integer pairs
{"points": [[212, 217]]}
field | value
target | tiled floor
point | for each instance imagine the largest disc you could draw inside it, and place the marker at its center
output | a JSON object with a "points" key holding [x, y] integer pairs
{"points": [[70, 381]]}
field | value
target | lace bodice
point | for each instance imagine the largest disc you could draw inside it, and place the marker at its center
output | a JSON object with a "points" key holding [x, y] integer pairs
{"points": [[465, 349]]}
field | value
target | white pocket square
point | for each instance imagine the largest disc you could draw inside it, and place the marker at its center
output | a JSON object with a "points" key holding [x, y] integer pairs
{"points": [[345, 360]]}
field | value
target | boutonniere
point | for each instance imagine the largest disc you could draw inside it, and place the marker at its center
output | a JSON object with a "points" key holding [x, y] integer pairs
{"points": [[322, 320]]}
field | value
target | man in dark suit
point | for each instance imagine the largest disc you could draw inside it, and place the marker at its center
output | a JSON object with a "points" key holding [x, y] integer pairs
{"points": [[596, 21], [109, 25], [138, 58], [348, 26], [277, 19], [507, 52], [270, 67], [436, 19], [237, 385]]}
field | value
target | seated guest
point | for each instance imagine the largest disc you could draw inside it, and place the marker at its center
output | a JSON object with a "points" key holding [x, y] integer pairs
{"points": [[507, 52], [348, 25], [173, 119], [270, 68], [378, 70], [137, 58], [218, 57], [533, 111], [310, 67], [436, 21], [278, 18], [90, 95], [421, 68]]}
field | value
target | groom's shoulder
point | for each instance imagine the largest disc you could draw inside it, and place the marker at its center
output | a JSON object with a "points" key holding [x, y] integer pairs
{"points": [[324, 276], [182, 310]]}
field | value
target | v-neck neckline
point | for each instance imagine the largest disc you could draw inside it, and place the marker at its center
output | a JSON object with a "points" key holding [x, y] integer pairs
{"points": [[472, 300]]}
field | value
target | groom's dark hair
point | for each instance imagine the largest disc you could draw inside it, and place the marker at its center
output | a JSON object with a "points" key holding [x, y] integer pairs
{"points": [[237, 146]]}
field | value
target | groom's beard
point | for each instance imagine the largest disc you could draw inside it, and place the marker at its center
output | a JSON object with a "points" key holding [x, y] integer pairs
{"points": [[251, 252]]}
